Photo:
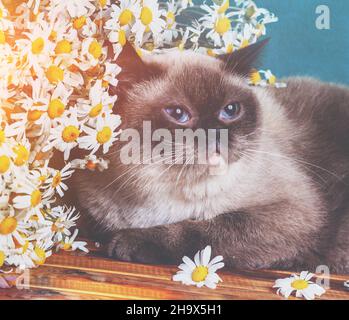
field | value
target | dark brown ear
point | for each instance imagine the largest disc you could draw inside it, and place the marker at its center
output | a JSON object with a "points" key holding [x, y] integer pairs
{"points": [[132, 66], [243, 60]]}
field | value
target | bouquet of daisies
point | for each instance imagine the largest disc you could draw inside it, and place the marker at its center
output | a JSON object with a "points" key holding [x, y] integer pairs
{"points": [[57, 63]]}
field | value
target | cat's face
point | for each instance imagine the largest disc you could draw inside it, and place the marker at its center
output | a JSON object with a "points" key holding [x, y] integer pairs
{"points": [[193, 92]]}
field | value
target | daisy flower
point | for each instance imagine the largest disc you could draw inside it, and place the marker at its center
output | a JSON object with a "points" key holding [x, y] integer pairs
{"points": [[37, 48], [148, 20], [218, 22], [93, 51], [6, 163], [201, 271], [117, 35], [75, 8], [31, 198], [99, 102], [22, 255], [41, 251], [21, 153], [69, 244], [56, 181], [123, 14], [58, 101], [104, 134], [301, 284], [63, 219], [65, 135], [90, 162], [170, 32], [11, 230]]}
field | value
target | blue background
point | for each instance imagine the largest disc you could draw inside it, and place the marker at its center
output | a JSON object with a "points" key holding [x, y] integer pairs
{"points": [[297, 47]]}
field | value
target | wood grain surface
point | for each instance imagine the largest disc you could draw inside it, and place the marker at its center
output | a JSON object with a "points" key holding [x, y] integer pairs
{"points": [[73, 275]]}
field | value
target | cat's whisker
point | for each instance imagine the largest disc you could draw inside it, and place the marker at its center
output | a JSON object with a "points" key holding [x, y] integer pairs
{"points": [[293, 159], [137, 172]]}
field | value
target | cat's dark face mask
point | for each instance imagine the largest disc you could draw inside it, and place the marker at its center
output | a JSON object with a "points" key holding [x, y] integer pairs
{"points": [[192, 92]]}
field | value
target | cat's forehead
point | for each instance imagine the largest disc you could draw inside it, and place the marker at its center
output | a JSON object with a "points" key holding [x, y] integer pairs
{"points": [[197, 78]]}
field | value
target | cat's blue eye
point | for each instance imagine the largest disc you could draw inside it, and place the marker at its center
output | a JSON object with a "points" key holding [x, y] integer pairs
{"points": [[230, 112], [178, 114]]}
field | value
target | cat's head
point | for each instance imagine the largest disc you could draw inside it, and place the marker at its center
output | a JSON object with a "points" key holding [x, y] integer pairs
{"points": [[186, 90]]}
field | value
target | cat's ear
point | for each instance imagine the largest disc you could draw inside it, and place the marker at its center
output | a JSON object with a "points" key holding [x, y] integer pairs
{"points": [[242, 61], [132, 66]]}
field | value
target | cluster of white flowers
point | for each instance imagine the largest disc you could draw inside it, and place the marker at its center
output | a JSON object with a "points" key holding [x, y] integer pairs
{"points": [[57, 62]]}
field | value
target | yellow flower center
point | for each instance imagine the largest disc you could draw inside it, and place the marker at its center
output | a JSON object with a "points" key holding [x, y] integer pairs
{"points": [[78, 23], [53, 35], [272, 80], [139, 52], [70, 134], [170, 18], [35, 198], [41, 254], [19, 245], [2, 37], [244, 44], [224, 7], [96, 110], [54, 74], [222, 25], [95, 49], [4, 163], [2, 258], [56, 179], [146, 16], [66, 246], [299, 284], [8, 225], [122, 37], [90, 165], [42, 179], [211, 53], [181, 46], [2, 137], [104, 135], [1, 13], [34, 115], [38, 45], [102, 3], [55, 108], [255, 77], [199, 274], [230, 48], [250, 11], [25, 247], [63, 46], [125, 17], [22, 155]]}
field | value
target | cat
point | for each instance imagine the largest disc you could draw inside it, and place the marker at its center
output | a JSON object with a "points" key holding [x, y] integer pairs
{"points": [[283, 201]]}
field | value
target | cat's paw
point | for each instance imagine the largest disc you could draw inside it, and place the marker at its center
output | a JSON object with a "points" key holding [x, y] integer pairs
{"points": [[133, 245]]}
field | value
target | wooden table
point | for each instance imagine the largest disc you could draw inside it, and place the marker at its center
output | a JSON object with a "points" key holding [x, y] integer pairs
{"points": [[74, 275]]}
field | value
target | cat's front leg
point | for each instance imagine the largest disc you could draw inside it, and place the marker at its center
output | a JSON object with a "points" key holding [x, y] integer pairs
{"points": [[158, 245], [245, 241]]}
